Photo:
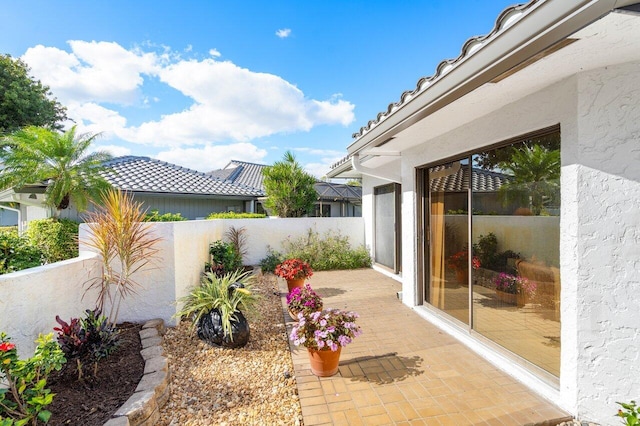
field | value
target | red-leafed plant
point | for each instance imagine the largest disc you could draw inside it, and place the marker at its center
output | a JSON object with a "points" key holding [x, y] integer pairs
{"points": [[293, 269]]}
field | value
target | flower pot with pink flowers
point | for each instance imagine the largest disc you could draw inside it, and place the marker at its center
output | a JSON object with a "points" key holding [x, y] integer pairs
{"points": [[303, 300], [324, 334]]}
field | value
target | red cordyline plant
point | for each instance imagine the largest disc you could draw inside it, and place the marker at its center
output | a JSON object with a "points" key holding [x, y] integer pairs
{"points": [[293, 269], [304, 299], [126, 244]]}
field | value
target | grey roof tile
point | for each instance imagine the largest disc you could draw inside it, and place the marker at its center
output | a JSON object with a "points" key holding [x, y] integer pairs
{"points": [[144, 174], [481, 180]]}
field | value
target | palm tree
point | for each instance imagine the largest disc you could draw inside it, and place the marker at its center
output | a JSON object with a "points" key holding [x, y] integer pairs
{"points": [[36, 155], [536, 177]]}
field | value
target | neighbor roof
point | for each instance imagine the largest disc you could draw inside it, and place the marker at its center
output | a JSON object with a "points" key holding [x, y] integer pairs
{"points": [[241, 173], [481, 180], [144, 174]]}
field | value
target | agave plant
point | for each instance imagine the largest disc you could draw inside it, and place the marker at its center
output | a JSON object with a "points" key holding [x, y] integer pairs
{"points": [[226, 296]]}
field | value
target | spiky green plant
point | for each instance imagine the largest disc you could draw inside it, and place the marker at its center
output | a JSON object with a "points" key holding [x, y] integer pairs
{"points": [[126, 244], [219, 293]]}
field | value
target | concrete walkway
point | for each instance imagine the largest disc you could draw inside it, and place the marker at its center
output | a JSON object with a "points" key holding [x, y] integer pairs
{"points": [[404, 371]]}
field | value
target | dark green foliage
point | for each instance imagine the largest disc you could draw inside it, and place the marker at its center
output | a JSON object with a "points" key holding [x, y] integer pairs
{"points": [[290, 190], [486, 249], [25, 101], [233, 215], [91, 339], [56, 238], [273, 258], [155, 216], [329, 252], [17, 253], [224, 258]]}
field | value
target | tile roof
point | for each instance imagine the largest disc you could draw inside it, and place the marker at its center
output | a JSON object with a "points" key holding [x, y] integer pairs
{"points": [[481, 180], [144, 174], [250, 174], [507, 18]]}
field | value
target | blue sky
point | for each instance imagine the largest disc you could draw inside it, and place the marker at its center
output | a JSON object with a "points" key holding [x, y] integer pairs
{"points": [[198, 83]]}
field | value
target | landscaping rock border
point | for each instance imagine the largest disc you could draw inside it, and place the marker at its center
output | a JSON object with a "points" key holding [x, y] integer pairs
{"points": [[142, 408]]}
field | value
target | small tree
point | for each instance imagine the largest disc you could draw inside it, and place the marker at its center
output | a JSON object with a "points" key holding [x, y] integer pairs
{"points": [[25, 101], [35, 155], [290, 190], [126, 244]]}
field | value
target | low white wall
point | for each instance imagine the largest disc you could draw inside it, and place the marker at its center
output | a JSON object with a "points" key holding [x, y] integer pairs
{"points": [[31, 299]]}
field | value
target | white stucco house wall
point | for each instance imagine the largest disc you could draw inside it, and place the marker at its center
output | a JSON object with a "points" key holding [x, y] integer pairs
{"points": [[562, 67]]}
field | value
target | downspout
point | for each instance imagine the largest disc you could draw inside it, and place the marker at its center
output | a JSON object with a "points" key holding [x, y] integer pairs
{"points": [[19, 217], [355, 163]]}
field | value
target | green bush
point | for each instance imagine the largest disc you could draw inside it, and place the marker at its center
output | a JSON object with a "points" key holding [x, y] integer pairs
{"points": [[56, 238], [234, 215], [329, 252], [154, 216], [17, 253], [269, 263], [224, 258]]}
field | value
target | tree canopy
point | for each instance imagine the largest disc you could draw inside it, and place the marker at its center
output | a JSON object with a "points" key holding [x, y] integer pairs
{"points": [[290, 190], [36, 155], [25, 101]]}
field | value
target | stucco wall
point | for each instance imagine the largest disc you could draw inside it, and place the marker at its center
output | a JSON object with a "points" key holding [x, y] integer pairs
{"points": [[599, 115], [30, 299]]}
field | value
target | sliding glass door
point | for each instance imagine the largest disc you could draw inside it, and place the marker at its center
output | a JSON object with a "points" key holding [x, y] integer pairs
{"points": [[491, 257]]}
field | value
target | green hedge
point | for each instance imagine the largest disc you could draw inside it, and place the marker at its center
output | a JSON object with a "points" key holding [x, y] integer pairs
{"points": [[154, 216], [17, 253], [57, 239], [233, 215]]}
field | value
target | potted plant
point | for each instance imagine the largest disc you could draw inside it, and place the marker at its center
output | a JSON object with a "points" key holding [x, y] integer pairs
{"points": [[215, 308], [324, 333], [514, 289], [303, 301], [459, 263], [294, 271]]}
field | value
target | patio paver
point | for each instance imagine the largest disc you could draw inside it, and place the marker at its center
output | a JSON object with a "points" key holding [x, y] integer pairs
{"points": [[405, 371]]}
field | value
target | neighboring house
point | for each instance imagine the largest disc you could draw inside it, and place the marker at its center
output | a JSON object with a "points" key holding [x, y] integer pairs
{"points": [[160, 186], [334, 199], [552, 76]]}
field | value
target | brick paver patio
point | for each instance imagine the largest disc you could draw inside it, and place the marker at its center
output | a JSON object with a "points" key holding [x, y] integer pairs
{"points": [[404, 371]]}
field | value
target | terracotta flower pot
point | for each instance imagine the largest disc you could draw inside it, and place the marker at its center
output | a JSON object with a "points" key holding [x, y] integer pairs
{"points": [[291, 284], [506, 298], [324, 363]]}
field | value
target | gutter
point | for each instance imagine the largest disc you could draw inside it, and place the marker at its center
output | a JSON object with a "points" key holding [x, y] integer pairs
{"points": [[544, 24], [358, 167]]}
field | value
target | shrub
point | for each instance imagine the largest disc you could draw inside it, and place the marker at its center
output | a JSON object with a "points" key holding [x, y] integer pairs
{"points": [[630, 412], [56, 238], [25, 397], [234, 215], [17, 253], [269, 263], [155, 216], [332, 251], [224, 258], [91, 339]]}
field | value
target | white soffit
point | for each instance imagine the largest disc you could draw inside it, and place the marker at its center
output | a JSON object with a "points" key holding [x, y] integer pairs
{"points": [[611, 40]]}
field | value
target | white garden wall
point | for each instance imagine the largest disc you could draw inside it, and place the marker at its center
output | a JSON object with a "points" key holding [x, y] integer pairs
{"points": [[30, 299]]}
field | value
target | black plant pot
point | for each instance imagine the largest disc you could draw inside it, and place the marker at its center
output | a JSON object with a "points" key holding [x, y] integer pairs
{"points": [[209, 329]]}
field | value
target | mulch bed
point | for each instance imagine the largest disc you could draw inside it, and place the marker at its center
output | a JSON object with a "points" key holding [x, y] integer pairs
{"points": [[93, 400]]}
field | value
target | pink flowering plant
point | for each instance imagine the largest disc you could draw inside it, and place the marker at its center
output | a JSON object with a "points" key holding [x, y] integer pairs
{"points": [[293, 269], [514, 284], [304, 299], [325, 330], [460, 260]]}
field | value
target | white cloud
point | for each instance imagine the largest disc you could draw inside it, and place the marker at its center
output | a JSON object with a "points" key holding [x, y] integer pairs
{"points": [[283, 33], [215, 53], [229, 103], [211, 157], [93, 71], [115, 150]]}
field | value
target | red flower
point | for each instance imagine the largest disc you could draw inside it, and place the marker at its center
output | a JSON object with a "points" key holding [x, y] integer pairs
{"points": [[292, 269], [6, 346]]}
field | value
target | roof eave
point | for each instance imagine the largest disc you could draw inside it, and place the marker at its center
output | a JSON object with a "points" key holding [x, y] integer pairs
{"points": [[541, 26]]}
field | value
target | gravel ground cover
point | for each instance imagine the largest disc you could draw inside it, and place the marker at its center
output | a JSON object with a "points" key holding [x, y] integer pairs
{"points": [[253, 385]]}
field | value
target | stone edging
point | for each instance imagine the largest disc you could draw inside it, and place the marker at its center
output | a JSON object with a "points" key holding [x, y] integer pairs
{"points": [[143, 407]]}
